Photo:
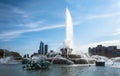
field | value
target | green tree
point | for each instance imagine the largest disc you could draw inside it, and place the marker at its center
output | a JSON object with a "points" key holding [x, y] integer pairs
{"points": [[1, 53], [15, 54]]}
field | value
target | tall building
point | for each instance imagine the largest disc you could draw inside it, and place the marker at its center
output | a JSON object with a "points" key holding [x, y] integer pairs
{"points": [[46, 49], [43, 49]]}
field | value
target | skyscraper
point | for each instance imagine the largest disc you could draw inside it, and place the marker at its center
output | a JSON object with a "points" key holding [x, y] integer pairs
{"points": [[43, 49], [46, 49]]}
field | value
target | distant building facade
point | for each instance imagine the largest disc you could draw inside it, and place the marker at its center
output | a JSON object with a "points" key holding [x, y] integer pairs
{"points": [[110, 51], [43, 49]]}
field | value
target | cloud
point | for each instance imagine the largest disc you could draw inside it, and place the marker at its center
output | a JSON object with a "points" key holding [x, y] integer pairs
{"points": [[6, 36], [116, 4], [11, 10], [21, 12], [34, 24], [108, 15], [14, 34], [117, 32]]}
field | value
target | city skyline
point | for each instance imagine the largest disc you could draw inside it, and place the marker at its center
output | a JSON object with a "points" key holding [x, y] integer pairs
{"points": [[23, 24]]}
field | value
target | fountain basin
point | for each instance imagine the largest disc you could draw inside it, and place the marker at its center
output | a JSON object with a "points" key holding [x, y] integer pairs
{"points": [[72, 61], [62, 61], [74, 56], [82, 61]]}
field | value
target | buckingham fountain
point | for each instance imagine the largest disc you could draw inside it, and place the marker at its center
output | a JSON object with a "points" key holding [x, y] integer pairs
{"points": [[66, 55], [67, 51]]}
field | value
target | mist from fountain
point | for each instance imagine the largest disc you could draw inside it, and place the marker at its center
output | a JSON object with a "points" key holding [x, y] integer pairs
{"points": [[37, 59], [8, 60], [57, 57], [115, 60], [98, 57], [85, 56]]}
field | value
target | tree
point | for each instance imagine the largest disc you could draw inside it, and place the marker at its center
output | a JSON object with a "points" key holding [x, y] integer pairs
{"points": [[8, 53], [15, 54], [1, 53]]}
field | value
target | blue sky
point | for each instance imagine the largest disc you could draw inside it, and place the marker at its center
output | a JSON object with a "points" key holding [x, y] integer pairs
{"points": [[24, 23]]}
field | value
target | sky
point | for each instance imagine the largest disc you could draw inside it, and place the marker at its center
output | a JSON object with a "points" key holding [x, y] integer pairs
{"points": [[24, 23]]}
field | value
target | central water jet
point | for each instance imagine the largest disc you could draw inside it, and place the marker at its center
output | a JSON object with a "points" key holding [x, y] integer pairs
{"points": [[68, 43], [69, 30]]}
